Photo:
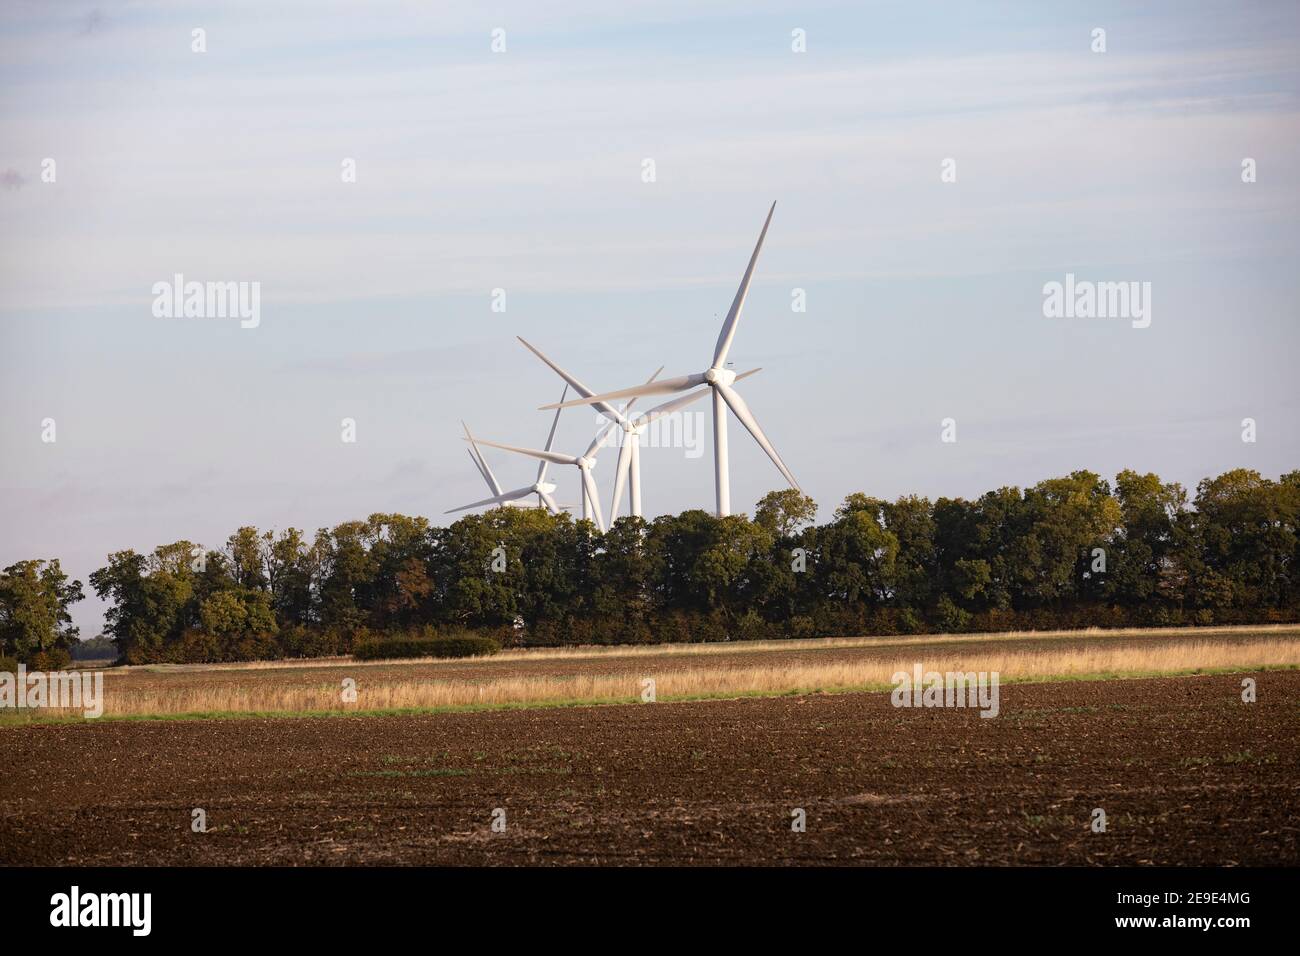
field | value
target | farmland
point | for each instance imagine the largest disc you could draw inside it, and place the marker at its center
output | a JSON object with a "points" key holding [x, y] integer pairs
{"points": [[1185, 771], [679, 672]]}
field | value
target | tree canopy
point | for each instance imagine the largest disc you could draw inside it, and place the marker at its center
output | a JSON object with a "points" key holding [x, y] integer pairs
{"points": [[1067, 552]]}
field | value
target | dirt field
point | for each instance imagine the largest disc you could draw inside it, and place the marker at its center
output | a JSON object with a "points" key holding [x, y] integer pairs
{"points": [[1185, 772]]}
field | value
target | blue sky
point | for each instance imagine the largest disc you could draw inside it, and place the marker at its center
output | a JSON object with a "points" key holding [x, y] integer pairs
{"points": [[522, 171]]}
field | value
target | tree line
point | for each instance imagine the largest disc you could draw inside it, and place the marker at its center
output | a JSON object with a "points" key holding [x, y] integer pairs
{"points": [[1067, 552]]}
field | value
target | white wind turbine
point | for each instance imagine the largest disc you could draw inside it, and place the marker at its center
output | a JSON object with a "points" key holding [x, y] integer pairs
{"points": [[485, 470], [584, 463], [719, 379], [540, 487], [628, 455]]}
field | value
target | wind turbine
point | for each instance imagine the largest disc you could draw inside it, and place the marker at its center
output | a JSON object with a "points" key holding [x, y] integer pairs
{"points": [[485, 470], [719, 379], [584, 463], [540, 487], [628, 452]]}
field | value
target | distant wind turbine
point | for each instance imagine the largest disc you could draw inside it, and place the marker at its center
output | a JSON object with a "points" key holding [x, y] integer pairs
{"points": [[540, 487], [629, 452], [719, 379], [628, 456], [584, 463], [485, 470]]}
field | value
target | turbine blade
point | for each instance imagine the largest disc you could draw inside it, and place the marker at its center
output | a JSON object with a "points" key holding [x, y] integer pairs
{"points": [[589, 484], [631, 402], [667, 408], [549, 502], [733, 317], [550, 439], [551, 456], [606, 410], [482, 462], [494, 500], [660, 387], [599, 441], [479, 466], [620, 474], [741, 411]]}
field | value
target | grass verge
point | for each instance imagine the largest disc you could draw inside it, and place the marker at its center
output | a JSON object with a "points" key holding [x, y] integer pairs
{"points": [[23, 718]]}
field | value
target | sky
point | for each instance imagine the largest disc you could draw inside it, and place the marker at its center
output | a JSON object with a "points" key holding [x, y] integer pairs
{"points": [[524, 169]]}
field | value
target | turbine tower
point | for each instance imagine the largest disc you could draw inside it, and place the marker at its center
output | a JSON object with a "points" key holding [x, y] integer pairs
{"points": [[542, 488], [719, 379]]}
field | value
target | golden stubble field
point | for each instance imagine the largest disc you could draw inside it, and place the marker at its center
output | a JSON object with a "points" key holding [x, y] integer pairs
{"points": [[543, 677]]}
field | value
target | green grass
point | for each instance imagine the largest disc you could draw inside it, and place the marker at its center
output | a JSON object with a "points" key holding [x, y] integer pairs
{"points": [[27, 717]]}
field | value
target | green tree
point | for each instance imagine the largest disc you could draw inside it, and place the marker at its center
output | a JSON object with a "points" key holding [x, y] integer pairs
{"points": [[1149, 553], [1245, 526], [911, 521], [288, 568], [244, 558], [1068, 519], [783, 513], [149, 598], [34, 600], [857, 554]]}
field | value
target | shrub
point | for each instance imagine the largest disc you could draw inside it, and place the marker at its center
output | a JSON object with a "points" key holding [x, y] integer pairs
{"points": [[9, 664], [54, 659], [752, 627], [950, 617], [712, 627], [802, 626], [195, 647], [298, 641], [909, 622], [633, 630], [253, 647], [460, 645]]}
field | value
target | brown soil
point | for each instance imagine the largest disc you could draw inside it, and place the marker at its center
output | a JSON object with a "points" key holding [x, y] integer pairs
{"points": [[1185, 771]]}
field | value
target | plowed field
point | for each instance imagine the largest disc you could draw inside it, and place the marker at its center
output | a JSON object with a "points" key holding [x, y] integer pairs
{"points": [[1184, 770]]}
